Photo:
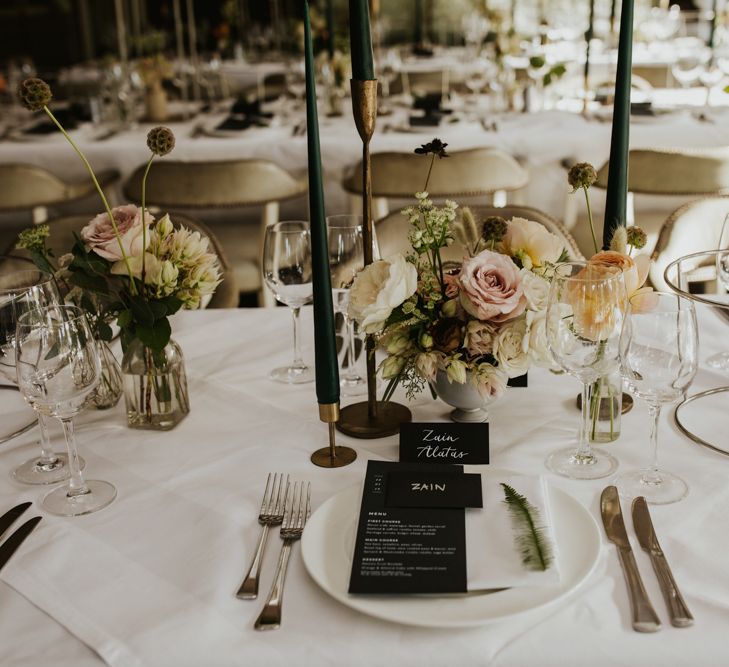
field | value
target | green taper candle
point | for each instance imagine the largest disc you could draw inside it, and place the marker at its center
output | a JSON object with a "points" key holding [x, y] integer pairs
{"points": [[325, 347], [360, 39], [418, 24], [617, 187]]}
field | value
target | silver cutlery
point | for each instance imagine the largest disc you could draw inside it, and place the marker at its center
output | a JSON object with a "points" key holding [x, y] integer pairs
{"points": [[644, 616], [271, 514], [678, 610], [296, 514], [9, 518], [10, 546]]}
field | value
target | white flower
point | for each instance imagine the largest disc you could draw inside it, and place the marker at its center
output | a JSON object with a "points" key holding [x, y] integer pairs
{"points": [[427, 363], [456, 371], [509, 348], [392, 366], [164, 226], [398, 343], [489, 380], [380, 288], [535, 342], [536, 290], [531, 242], [426, 340], [151, 266]]}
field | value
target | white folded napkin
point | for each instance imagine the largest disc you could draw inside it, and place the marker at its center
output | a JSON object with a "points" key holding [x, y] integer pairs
{"points": [[493, 559]]}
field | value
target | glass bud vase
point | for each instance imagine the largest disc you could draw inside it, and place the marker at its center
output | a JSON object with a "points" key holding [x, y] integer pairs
{"points": [[155, 386], [110, 386], [606, 406]]}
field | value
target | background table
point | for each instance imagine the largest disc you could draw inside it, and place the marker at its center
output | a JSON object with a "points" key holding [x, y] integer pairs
{"points": [[150, 580]]}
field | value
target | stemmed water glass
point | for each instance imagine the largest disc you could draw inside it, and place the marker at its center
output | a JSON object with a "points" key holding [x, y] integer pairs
{"points": [[346, 258], [584, 317], [720, 360], [287, 272], [22, 291], [659, 352], [58, 368]]}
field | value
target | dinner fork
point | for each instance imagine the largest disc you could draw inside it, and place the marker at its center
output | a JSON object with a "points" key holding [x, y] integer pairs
{"points": [[296, 514], [271, 514]]}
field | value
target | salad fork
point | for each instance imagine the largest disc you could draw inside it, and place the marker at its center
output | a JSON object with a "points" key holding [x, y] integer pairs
{"points": [[296, 514], [271, 514]]}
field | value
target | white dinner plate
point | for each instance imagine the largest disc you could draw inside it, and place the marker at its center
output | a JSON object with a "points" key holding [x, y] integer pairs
{"points": [[328, 543]]}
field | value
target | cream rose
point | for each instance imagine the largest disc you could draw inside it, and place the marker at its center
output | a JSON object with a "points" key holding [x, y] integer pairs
{"points": [[491, 287], [536, 343], [99, 234], [509, 348], [380, 288], [536, 290], [532, 243], [490, 381]]}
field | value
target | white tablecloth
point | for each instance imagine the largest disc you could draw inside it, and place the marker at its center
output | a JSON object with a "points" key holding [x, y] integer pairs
{"points": [[150, 579]]}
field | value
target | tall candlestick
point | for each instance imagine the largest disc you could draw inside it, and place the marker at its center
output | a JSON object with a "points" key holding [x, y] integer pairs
{"points": [[360, 39], [325, 346], [121, 33], [617, 187], [613, 4], [330, 28], [588, 40], [418, 24], [712, 25]]}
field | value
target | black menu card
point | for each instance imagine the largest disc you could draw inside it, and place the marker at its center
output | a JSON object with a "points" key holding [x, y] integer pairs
{"points": [[408, 549]]}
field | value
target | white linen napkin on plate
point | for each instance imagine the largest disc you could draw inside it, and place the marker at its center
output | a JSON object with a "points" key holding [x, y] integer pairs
{"points": [[492, 555]]}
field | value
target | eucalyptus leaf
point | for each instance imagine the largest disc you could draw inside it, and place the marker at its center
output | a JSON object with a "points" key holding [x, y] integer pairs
{"points": [[157, 336]]}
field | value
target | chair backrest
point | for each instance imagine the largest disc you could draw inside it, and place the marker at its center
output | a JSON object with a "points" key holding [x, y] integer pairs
{"points": [[693, 227], [665, 171], [214, 184], [23, 186], [61, 241], [392, 230], [476, 172]]}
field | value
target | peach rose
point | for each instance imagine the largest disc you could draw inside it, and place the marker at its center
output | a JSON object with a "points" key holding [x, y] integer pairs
{"points": [[99, 234], [595, 299], [491, 287]]}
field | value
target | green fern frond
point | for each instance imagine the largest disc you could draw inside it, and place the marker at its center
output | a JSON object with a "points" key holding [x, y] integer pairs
{"points": [[529, 537]]}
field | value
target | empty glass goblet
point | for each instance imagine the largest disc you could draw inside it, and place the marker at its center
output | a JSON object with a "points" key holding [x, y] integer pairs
{"points": [[658, 355], [584, 317], [720, 360], [58, 368], [287, 272]]}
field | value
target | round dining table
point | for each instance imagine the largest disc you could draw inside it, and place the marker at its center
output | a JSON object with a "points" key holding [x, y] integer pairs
{"points": [[151, 579]]}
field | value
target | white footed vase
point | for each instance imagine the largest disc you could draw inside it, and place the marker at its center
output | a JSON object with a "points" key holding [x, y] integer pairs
{"points": [[470, 406]]}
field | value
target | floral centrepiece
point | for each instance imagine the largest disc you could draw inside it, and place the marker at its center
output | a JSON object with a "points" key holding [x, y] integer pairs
{"points": [[480, 321], [126, 266]]}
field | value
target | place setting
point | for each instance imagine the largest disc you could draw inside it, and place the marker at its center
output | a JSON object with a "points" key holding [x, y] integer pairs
{"points": [[346, 353]]}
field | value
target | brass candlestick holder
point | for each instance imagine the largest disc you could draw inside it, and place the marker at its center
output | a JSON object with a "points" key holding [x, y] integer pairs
{"points": [[332, 456], [373, 418]]}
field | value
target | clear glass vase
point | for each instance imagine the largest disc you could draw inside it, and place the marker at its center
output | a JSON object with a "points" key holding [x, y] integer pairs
{"points": [[110, 386], [606, 406], [155, 386]]}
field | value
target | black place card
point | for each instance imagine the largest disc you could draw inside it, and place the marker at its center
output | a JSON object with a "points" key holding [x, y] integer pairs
{"points": [[519, 381], [444, 442], [433, 489], [407, 549]]}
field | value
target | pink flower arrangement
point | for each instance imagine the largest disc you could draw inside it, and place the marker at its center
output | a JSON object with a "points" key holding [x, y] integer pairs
{"points": [[99, 234]]}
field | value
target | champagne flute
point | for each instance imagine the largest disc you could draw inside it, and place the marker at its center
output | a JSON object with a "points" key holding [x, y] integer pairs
{"points": [[58, 368], [584, 317], [346, 258], [22, 291], [287, 272], [659, 359], [720, 360]]}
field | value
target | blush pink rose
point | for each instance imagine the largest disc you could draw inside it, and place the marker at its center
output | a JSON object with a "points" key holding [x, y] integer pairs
{"points": [[451, 285], [100, 237], [491, 287]]}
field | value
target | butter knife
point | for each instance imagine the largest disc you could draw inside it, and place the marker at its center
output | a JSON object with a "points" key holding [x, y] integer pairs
{"points": [[10, 546], [9, 518], [644, 616], [680, 615]]}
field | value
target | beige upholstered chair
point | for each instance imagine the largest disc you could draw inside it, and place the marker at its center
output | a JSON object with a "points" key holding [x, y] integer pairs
{"points": [[26, 187], [392, 231], [61, 240], [480, 172], [224, 185], [693, 227], [669, 175]]}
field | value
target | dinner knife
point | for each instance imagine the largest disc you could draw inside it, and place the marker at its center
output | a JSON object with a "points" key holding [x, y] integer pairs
{"points": [[10, 546], [680, 615], [644, 616], [9, 518]]}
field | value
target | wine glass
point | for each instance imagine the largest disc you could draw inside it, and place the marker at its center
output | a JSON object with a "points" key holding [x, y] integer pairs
{"points": [[58, 368], [720, 360], [584, 316], [346, 258], [658, 352], [22, 291], [287, 272]]}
